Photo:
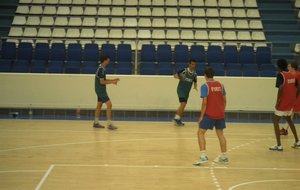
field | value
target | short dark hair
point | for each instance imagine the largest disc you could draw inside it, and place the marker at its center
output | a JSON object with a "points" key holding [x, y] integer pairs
{"points": [[104, 58], [209, 72], [192, 60], [282, 64], [294, 65]]}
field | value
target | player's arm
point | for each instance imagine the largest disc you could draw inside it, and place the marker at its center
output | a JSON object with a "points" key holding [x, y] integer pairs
{"points": [[279, 85], [179, 75], [225, 101], [109, 81], [203, 109], [278, 97], [195, 83]]}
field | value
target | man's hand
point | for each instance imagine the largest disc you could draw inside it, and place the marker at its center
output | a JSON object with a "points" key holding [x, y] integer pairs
{"points": [[199, 120], [182, 77], [115, 81]]}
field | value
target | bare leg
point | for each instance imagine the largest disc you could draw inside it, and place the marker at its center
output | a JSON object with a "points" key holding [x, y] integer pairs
{"points": [[222, 140], [180, 110], [201, 139], [108, 110], [98, 111], [292, 126], [276, 129]]}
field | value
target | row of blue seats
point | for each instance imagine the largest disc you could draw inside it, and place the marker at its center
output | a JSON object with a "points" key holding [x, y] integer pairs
{"points": [[73, 67], [58, 51], [214, 54]]}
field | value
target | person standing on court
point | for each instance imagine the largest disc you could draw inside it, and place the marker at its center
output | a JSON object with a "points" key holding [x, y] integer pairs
{"points": [[187, 77], [212, 115], [102, 98], [286, 99]]}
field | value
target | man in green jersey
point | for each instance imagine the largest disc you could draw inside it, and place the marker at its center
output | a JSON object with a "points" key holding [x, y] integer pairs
{"points": [[186, 77], [100, 89]]}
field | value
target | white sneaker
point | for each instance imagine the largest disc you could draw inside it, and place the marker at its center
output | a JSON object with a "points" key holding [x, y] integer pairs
{"points": [[202, 160], [296, 145], [276, 148], [221, 160]]}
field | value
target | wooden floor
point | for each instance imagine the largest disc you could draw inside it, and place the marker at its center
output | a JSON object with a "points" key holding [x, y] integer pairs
{"points": [[60, 155]]}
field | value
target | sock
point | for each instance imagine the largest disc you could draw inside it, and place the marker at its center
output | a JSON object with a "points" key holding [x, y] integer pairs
{"points": [[223, 155], [203, 153], [109, 122], [177, 116], [96, 120]]}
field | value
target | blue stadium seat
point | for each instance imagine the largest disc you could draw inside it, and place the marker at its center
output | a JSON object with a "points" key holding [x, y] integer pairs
{"points": [[263, 55], [219, 72], [56, 67], [198, 53], [89, 67], [268, 73], [148, 71], [268, 67], [250, 67], [246, 55], [72, 67], [5, 65], [41, 51], [180, 65], [165, 71], [230, 54], [200, 68], [124, 65], [124, 53], [110, 70], [148, 53], [25, 51], [21, 66], [234, 73], [235, 66], [74, 52], [250, 73], [181, 54], [58, 52], [164, 53], [214, 54], [215, 65], [124, 71], [90, 52], [38, 66], [149, 64], [109, 50], [8, 50]]}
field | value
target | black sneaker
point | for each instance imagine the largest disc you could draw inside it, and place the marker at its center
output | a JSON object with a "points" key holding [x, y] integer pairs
{"points": [[178, 122], [98, 125], [112, 127]]}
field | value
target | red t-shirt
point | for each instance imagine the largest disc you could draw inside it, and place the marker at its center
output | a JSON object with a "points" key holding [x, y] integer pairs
{"points": [[289, 92], [215, 108], [297, 104]]}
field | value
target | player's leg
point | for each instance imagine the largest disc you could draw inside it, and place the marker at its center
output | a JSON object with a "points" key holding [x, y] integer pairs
{"points": [[97, 116], [179, 112], [220, 126], [111, 126], [276, 120], [284, 130], [294, 131]]}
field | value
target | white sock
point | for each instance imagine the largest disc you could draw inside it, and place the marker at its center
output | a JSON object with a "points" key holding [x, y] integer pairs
{"points": [[109, 122], [177, 116], [223, 155], [203, 153], [96, 120]]}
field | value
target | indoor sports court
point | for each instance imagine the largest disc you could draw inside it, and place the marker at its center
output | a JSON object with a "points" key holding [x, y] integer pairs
{"points": [[63, 61]]}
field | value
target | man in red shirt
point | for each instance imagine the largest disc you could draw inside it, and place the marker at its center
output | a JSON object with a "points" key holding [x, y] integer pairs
{"points": [[212, 115], [286, 99], [293, 68]]}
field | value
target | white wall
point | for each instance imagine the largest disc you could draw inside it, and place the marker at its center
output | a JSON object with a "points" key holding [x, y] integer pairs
{"points": [[132, 93]]}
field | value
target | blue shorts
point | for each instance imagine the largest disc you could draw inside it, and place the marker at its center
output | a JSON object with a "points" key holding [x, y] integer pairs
{"points": [[103, 99], [209, 123], [183, 100]]}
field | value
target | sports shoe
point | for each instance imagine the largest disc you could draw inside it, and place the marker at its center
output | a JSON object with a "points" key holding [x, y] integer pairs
{"points": [[98, 125], [221, 160], [296, 145], [112, 127], [202, 160], [283, 131], [276, 148], [178, 122]]}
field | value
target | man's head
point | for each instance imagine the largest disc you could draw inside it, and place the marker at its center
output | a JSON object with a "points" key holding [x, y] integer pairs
{"points": [[209, 73], [192, 64], [282, 64], [104, 60], [292, 67]]}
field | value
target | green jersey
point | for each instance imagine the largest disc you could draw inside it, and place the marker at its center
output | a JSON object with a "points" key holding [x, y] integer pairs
{"points": [[99, 88], [184, 86]]}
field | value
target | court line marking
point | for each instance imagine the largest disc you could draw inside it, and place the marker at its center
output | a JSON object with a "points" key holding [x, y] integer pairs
{"points": [[22, 171], [42, 181], [90, 142], [263, 181]]}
